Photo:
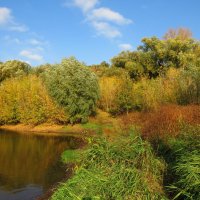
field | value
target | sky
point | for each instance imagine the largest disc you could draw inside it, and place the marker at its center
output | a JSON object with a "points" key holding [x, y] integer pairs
{"points": [[45, 31]]}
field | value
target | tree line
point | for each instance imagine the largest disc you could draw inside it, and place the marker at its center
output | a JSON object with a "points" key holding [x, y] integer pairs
{"points": [[160, 71]]}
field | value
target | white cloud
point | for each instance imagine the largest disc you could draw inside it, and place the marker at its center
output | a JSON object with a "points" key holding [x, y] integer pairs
{"points": [[7, 21], [35, 42], [5, 15], [126, 47], [106, 29], [85, 5], [106, 14], [18, 28], [102, 19], [39, 48], [9, 39], [31, 55]]}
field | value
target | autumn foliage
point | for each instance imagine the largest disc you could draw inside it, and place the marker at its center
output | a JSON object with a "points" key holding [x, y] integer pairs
{"points": [[165, 121]]}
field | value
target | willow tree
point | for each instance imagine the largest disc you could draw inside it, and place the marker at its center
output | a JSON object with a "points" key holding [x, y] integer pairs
{"points": [[74, 87]]}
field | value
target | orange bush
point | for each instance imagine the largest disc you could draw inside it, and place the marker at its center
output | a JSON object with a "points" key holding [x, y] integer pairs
{"points": [[164, 121]]}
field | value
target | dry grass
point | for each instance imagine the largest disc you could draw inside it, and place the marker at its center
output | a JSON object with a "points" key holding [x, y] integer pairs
{"points": [[164, 121]]}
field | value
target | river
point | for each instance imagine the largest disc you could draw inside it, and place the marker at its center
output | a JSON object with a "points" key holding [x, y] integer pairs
{"points": [[30, 164]]}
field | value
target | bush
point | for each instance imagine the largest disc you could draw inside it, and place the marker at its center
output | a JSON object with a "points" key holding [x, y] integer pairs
{"points": [[13, 68], [9, 103], [124, 96], [188, 86], [116, 94], [148, 94], [74, 87], [108, 89], [26, 100], [123, 169]]}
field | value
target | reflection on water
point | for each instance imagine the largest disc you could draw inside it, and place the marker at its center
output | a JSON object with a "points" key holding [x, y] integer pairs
{"points": [[30, 164]]}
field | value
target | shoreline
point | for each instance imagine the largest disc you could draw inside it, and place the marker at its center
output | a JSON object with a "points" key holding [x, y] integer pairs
{"points": [[48, 130], [69, 173], [53, 130]]}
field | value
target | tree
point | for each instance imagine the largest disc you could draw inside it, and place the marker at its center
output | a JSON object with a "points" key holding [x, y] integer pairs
{"points": [[13, 68], [155, 56], [124, 95], [130, 61], [74, 87], [181, 33]]}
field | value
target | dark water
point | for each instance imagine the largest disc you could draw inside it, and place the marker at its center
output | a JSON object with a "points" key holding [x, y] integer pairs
{"points": [[30, 164]]}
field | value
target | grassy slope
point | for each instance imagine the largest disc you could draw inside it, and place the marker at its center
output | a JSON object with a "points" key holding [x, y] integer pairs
{"points": [[123, 169], [105, 172]]}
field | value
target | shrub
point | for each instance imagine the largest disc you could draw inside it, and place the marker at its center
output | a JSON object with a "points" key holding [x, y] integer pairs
{"points": [[148, 94], [108, 89], [165, 122], [123, 169], [13, 68], [124, 96], [9, 103], [116, 94], [74, 88], [188, 86], [26, 100]]}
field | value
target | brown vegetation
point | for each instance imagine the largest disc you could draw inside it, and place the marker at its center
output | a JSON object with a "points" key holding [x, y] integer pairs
{"points": [[164, 121]]}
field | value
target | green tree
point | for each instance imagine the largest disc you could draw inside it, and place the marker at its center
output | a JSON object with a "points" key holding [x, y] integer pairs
{"points": [[155, 56], [74, 87]]}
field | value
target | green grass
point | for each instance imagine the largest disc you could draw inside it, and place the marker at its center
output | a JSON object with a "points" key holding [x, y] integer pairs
{"points": [[96, 127], [128, 169], [70, 156], [183, 157], [124, 169]]}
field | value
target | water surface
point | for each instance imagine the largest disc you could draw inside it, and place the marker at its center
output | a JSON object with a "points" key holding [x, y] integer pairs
{"points": [[30, 164]]}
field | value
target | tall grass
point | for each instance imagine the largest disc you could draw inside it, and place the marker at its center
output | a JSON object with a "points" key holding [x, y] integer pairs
{"points": [[124, 169], [183, 157]]}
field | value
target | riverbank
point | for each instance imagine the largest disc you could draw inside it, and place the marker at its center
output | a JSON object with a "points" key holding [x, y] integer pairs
{"points": [[168, 121], [69, 173], [140, 168], [164, 120], [45, 129], [101, 124]]}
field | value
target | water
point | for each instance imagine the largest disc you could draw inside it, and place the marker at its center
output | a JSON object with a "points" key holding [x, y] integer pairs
{"points": [[30, 164]]}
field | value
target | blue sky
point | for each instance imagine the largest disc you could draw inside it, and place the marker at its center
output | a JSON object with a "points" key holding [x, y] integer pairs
{"points": [[41, 31]]}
